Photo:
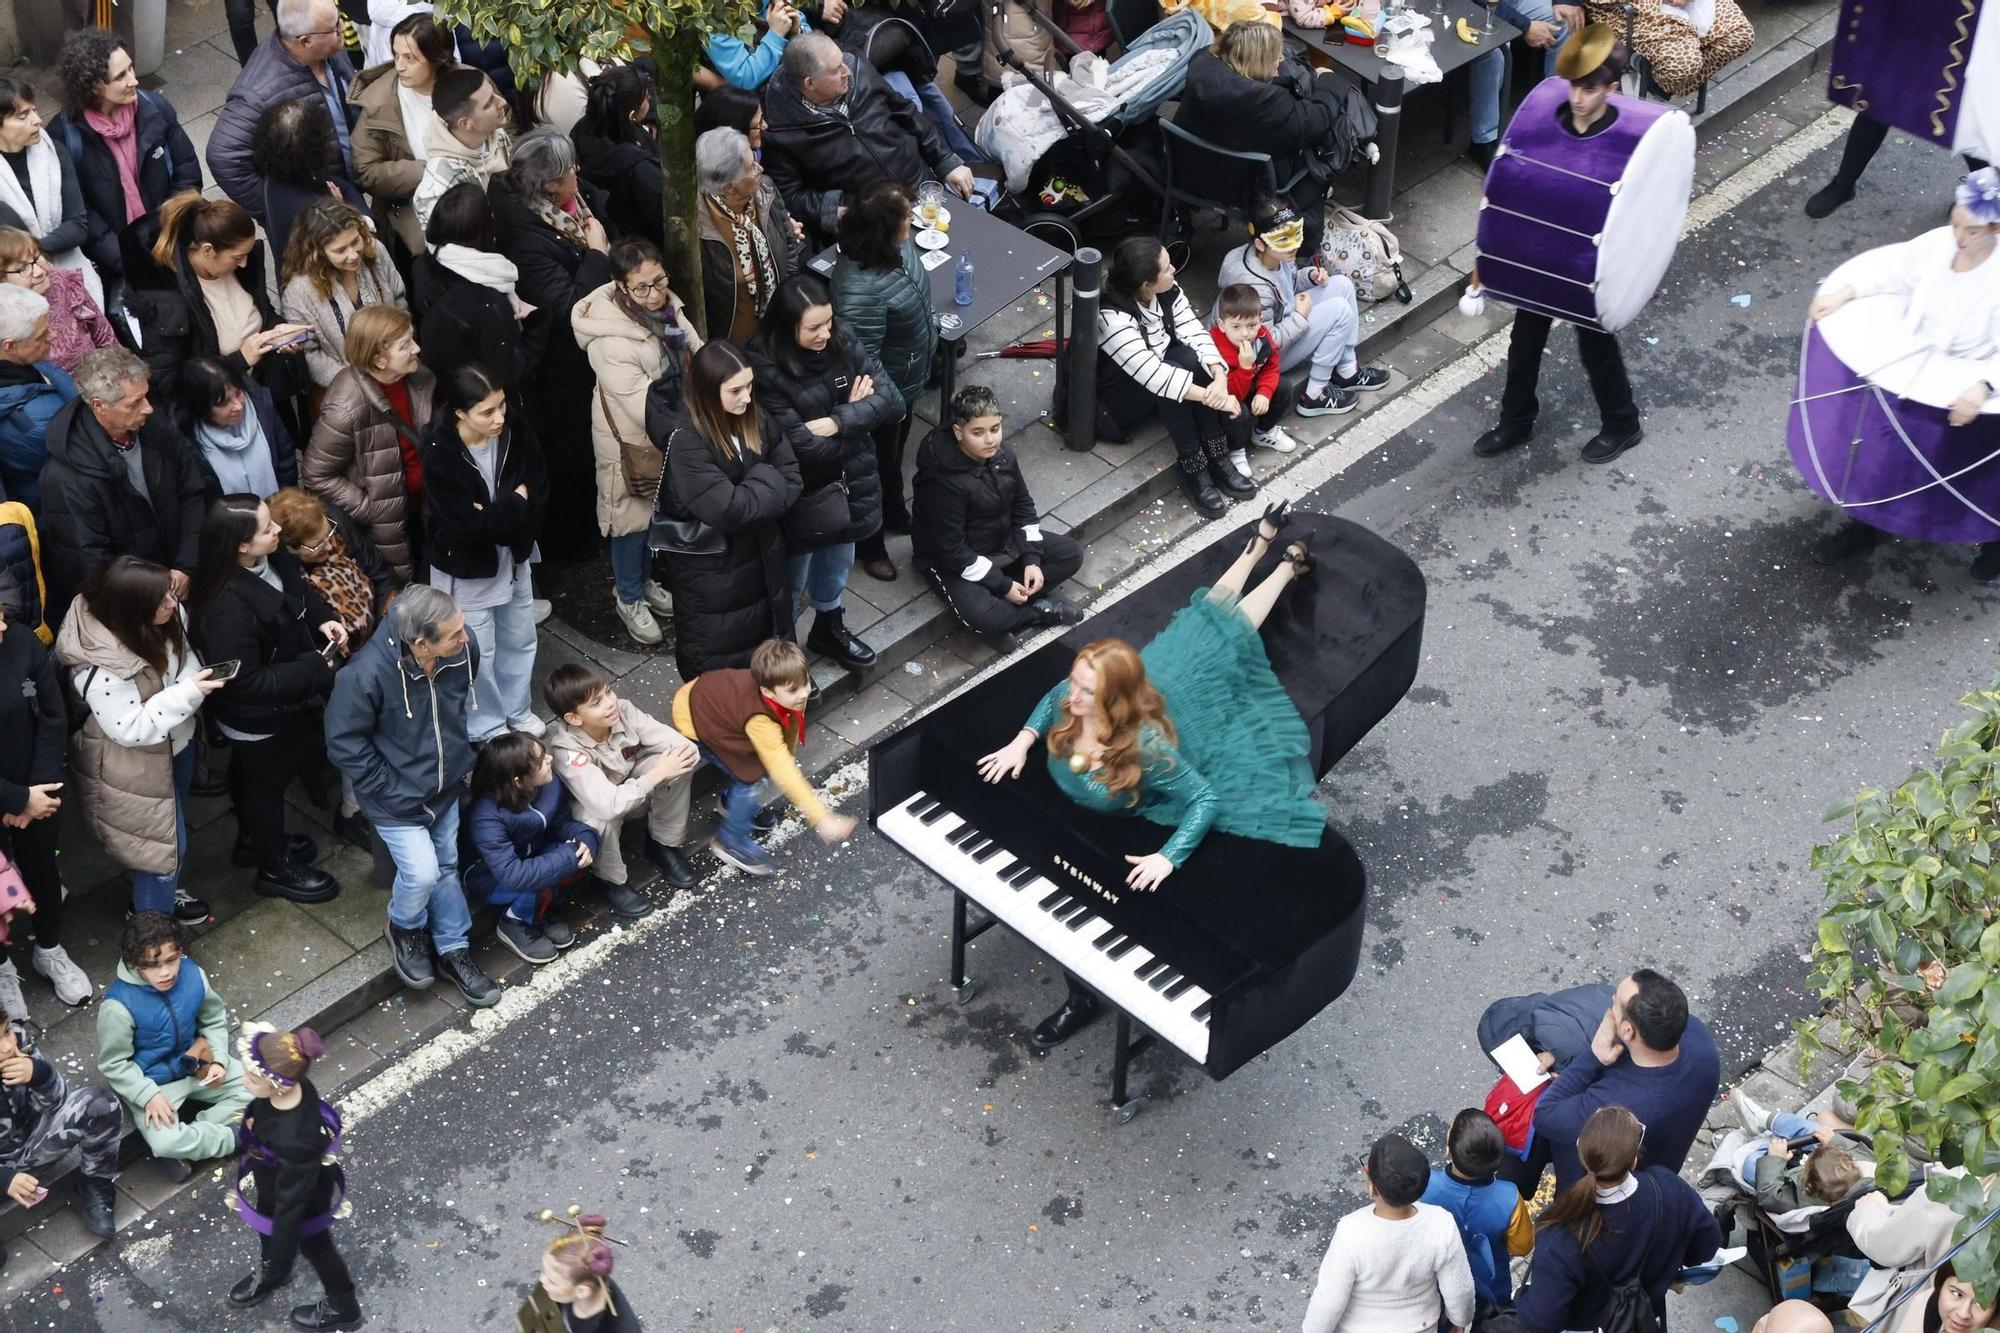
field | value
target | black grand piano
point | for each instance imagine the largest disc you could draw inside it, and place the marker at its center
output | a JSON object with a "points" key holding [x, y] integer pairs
{"points": [[1249, 940]]}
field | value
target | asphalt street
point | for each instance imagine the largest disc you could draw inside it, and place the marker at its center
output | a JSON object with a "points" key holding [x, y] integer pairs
{"points": [[1638, 693]]}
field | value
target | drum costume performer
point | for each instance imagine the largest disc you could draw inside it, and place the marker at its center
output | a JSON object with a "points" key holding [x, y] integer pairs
{"points": [[288, 1146], [1897, 418], [576, 1293], [1194, 732], [1592, 62]]}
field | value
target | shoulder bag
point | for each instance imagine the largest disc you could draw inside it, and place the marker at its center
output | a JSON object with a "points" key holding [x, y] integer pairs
{"points": [[641, 463], [673, 534]]}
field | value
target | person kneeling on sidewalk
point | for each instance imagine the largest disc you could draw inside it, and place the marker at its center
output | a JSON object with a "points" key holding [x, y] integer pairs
{"points": [[42, 1120], [529, 850], [976, 531], [144, 1053], [614, 757], [748, 723]]}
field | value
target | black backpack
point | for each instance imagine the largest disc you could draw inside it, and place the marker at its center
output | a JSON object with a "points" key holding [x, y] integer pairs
{"points": [[1630, 1309]]}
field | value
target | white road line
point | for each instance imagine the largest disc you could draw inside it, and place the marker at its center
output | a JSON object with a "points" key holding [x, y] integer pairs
{"points": [[521, 1000]]}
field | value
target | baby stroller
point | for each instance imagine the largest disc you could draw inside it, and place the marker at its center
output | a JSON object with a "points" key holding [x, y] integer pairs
{"points": [[1081, 150]]}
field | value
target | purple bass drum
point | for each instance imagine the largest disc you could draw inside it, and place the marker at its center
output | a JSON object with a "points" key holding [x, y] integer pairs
{"points": [[1868, 426], [1582, 229]]}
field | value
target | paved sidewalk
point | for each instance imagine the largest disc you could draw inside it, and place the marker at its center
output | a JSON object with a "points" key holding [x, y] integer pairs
{"points": [[278, 962]]}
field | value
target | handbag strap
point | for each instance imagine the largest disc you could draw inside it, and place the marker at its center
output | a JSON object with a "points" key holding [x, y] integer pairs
{"points": [[610, 421]]}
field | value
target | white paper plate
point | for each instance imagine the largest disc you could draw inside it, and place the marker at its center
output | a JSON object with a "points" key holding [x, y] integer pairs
{"points": [[932, 240]]}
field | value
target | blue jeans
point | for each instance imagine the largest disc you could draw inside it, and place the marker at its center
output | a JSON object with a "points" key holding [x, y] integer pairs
{"points": [[821, 574], [506, 638], [1786, 1125], [1484, 73], [155, 893], [740, 804], [426, 890], [631, 562], [929, 100]]}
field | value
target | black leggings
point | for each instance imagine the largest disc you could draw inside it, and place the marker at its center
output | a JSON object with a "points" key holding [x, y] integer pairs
{"points": [[259, 773], [1191, 425], [243, 25], [1864, 138], [33, 851], [889, 443]]}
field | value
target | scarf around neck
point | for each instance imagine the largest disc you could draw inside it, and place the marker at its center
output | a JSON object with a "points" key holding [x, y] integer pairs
{"points": [[44, 211], [791, 722], [662, 323], [488, 270], [239, 456], [753, 251], [565, 222], [120, 132]]}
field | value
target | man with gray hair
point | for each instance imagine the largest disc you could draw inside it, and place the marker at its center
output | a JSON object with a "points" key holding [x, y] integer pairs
{"points": [[396, 726], [833, 125], [749, 243], [32, 390], [304, 58], [118, 481]]}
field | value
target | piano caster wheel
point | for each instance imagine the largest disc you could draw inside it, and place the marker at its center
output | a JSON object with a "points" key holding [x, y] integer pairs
{"points": [[962, 994], [1126, 1110]]}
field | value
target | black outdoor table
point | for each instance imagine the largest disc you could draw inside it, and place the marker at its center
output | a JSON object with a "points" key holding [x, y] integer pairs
{"points": [[1364, 66], [1007, 264]]}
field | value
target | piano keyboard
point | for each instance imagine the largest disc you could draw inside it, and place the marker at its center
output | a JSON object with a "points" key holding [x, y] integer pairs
{"points": [[1058, 921]]}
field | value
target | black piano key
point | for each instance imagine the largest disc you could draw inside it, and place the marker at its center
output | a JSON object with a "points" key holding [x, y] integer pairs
{"points": [[973, 846], [964, 836], [1123, 947], [1165, 977], [1080, 920], [1006, 872], [1150, 966], [1109, 937], [986, 853], [928, 811], [1179, 988], [1022, 878], [1075, 907], [1201, 1010], [1054, 898]]}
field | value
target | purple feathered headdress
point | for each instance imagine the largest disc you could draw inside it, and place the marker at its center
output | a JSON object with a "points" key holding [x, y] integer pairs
{"points": [[1979, 195]]}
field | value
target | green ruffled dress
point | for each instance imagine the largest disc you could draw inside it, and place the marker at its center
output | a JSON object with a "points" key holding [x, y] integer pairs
{"points": [[1243, 763]]}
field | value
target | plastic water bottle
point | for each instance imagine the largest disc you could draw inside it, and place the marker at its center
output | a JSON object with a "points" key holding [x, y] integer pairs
{"points": [[963, 296]]}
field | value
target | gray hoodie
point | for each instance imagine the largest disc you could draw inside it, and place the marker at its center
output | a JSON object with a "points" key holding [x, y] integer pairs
{"points": [[1274, 290]]}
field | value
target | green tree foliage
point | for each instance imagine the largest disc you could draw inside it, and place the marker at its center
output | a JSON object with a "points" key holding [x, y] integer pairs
{"points": [[544, 37], [1908, 958]]}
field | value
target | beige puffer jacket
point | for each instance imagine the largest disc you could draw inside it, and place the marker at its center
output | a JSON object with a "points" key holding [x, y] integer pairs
{"points": [[1030, 41], [354, 461], [626, 358], [122, 758]]}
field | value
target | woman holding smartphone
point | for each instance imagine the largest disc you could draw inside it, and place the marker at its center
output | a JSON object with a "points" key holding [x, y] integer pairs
{"points": [[251, 605]]}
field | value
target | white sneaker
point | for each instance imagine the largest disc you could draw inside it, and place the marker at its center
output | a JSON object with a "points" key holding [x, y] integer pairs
{"points": [[543, 609], [659, 599], [528, 725], [12, 1001], [1240, 460], [72, 986], [639, 622], [1277, 438]]}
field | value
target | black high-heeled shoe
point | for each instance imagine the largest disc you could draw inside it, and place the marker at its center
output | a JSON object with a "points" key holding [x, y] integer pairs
{"points": [[1277, 514], [1300, 557]]}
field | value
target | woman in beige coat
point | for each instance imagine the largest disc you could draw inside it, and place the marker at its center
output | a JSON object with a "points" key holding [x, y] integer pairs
{"points": [[394, 103], [364, 456], [632, 331]]}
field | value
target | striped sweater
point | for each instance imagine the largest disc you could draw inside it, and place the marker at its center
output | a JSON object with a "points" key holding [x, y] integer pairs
{"points": [[1138, 346]]}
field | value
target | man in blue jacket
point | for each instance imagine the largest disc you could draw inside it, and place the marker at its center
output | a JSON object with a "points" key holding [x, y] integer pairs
{"points": [[396, 726], [32, 390]]}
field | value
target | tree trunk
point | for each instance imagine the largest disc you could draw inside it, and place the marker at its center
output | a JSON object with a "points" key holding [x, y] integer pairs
{"points": [[675, 58]]}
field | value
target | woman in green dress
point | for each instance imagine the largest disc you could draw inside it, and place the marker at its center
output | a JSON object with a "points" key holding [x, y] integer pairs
{"points": [[1194, 732]]}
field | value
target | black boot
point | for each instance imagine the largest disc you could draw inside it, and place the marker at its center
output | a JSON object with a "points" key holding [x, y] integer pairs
{"points": [[298, 847], [250, 1290], [1077, 1011], [480, 991], [1048, 610], [100, 1206], [1200, 491], [299, 882], [410, 954], [1223, 472], [1829, 197], [329, 1312], [829, 638], [1607, 444]]}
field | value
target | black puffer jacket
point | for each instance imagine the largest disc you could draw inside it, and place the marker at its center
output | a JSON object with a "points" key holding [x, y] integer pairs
{"points": [[285, 374], [1299, 118], [847, 456], [727, 604], [284, 682], [167, 165], [464, 526], [91, 512], [814, 159], [628, 175], [555, 275], [461, 321], [970, 516]]}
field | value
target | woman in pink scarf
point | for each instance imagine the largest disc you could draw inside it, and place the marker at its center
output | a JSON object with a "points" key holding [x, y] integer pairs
{"points": [[130, 151], [76, 325]]}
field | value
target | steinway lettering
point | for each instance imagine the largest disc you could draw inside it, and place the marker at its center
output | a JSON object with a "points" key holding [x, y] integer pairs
{"points": [[1088, 882]]}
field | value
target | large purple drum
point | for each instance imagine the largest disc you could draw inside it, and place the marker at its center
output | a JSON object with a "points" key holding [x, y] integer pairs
{"points": [[1868, 427], [1582, 229]]}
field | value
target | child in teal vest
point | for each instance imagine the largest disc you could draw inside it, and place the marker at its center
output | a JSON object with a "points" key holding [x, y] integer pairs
{"points": [[163, 1040]]}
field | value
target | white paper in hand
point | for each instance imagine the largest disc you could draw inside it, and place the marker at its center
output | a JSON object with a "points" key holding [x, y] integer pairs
{"points": [[1519, 1063]]}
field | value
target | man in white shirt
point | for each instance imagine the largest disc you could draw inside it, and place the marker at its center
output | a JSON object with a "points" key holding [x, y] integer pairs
{"points": [[1393, 1264]]}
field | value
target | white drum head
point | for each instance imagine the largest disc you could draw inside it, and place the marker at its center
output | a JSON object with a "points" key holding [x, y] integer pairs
{"points": [[1644, 223], [1871, 335]]}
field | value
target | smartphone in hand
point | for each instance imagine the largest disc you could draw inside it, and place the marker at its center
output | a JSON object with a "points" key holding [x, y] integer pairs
{"points": [[225, 670]]}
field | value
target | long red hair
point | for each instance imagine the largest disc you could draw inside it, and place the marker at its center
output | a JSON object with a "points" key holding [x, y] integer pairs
{"points": [[1126, 704]]}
